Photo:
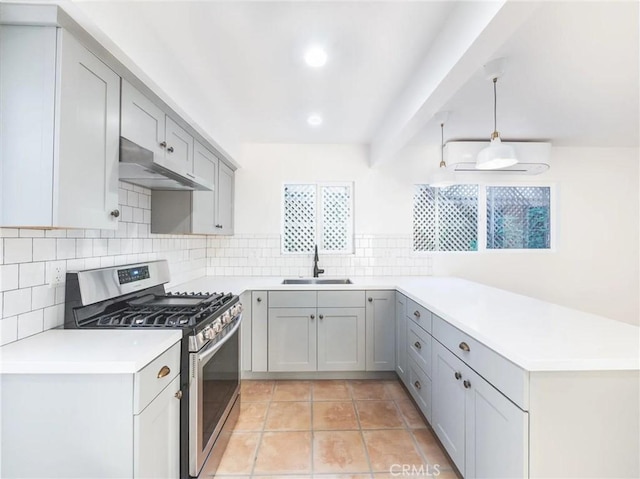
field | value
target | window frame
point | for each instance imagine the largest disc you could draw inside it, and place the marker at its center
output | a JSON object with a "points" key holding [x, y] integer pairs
{"points": [[482, 219], [319, 218]]}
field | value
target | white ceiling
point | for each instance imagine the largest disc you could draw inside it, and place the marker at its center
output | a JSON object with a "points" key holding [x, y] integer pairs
{"points": [[236, 68]]}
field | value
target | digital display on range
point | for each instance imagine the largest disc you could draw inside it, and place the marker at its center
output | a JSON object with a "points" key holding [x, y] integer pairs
{"points": [[130, 275]]}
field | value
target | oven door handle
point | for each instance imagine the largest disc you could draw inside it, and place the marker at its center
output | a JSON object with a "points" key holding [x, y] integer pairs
{"points": [[207, 353]]}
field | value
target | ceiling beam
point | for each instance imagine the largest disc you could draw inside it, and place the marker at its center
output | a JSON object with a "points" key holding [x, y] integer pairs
{"points": [[472, 33]]}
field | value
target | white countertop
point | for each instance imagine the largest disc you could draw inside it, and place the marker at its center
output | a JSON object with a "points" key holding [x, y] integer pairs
{"points": [[533, 334], [86, 351]]}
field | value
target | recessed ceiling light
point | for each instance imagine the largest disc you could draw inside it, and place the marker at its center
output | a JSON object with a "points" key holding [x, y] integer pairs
{"points": [[314, 120], [315, 56]]}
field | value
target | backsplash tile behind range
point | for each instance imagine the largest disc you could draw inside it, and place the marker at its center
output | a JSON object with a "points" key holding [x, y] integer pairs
{"points": [[30, 260]]}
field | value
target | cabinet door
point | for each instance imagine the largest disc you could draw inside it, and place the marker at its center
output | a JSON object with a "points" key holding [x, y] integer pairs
{"points": [[381, 334], [259, 321], [179, 151], [205, 166], [497, 433], [156, 430], [224, 219], [448, 403], [88, 133], [341, 339], [142, 121], [401, 337], [292, 339]]}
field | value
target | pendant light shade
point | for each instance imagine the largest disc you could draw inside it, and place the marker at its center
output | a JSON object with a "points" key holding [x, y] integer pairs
{"points": [[443, 177], [496, 155]]}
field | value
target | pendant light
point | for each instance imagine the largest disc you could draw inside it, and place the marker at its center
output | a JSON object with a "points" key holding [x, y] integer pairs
{"points": [[497, 155], [443, 177]]}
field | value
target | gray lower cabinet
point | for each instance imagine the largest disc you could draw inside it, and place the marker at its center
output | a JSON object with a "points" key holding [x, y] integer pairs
{"points": [[292, 339], [401, 336], [380, 330], [341, 339], [259, 330]]}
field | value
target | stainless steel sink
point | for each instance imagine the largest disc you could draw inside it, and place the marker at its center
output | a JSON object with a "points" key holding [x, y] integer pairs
{"points": [[317, 281]]}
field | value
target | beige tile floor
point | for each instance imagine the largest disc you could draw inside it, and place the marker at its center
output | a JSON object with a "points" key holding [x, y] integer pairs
{"points": [[329, 430]]}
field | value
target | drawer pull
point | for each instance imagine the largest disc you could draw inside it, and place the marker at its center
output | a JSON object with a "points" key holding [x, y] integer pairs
{"points": [[370, 300], [259, 299], [416, 314], [458, 375], [417, 345], [417, 385], [164, 371], [321, 316], [313, 316], [178, 395], [466, 383], [464, 346]]}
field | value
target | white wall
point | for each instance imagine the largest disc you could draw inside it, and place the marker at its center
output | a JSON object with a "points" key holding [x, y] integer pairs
{"points": [[596, 264]]}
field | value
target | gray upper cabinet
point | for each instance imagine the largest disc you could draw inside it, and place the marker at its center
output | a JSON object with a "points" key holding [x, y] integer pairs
{"points": [[179, 149], [142, 121], [60, 131], [224, 218], [205, 165]]}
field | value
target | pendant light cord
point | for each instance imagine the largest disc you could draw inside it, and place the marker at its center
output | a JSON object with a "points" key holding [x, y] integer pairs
{"points": [[442, 162], [495, 105]]}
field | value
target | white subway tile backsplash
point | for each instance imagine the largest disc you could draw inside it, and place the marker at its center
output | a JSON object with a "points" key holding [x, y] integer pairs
{"points": [[43, 296], [31, 274], [132, 198], [30, 323], [53, 316], [84, 248], [29, 233], [9, 232], [56, 233], [16, 301], [65, 248], [8, 330], [44, 249], [8, 277], [18, 250]]}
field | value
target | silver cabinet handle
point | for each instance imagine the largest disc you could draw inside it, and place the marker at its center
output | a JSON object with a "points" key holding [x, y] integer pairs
{"points": [[313, 316], [170, 149], [466, 383], [464, 346], [178, 395], [458, 375], [416, 314], [163, 144], [218, 226], [417, 345], [417, 385], [259, 300], [115, 213], [370, 300]]}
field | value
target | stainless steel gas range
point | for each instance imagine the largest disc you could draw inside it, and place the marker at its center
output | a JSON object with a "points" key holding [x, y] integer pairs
{"points": [[133, 296]]}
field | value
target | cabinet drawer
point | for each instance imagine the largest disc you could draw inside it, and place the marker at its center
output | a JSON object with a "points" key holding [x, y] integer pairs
{"points": [[505, 376], [147, 384], [292, 299], [341, 299], [419, 315], [420, 388], [419, 346]]}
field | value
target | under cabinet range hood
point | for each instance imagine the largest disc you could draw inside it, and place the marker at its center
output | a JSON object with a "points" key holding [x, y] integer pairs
{"points": [[533, 157], [138, 166]]}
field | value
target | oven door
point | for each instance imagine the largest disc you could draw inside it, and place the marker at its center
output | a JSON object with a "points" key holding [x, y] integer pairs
{"points": [[213, 390]]}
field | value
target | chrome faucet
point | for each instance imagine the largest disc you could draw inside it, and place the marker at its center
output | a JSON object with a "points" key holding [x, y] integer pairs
{"points": [[316, 271]]}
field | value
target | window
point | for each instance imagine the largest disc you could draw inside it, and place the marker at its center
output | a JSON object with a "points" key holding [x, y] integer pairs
{"points": [[445, 219], [319, 214], [518, 217], [455, 218]]}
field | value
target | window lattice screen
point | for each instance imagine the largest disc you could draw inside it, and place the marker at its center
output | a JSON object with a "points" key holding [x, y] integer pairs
{"points": [[336, 218], [299, 218], [445, 219], [518, 217]]}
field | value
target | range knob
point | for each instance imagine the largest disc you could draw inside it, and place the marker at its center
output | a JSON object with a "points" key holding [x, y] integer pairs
{"points": [[237, 309], [208, 333], [226, 317], [216, 326]]}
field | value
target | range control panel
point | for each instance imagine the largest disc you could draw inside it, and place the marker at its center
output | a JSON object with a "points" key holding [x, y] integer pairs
{"points": [[130, 275]]}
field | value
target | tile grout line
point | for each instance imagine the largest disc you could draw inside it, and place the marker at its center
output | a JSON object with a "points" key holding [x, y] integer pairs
{"points": [[364, 443]]}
